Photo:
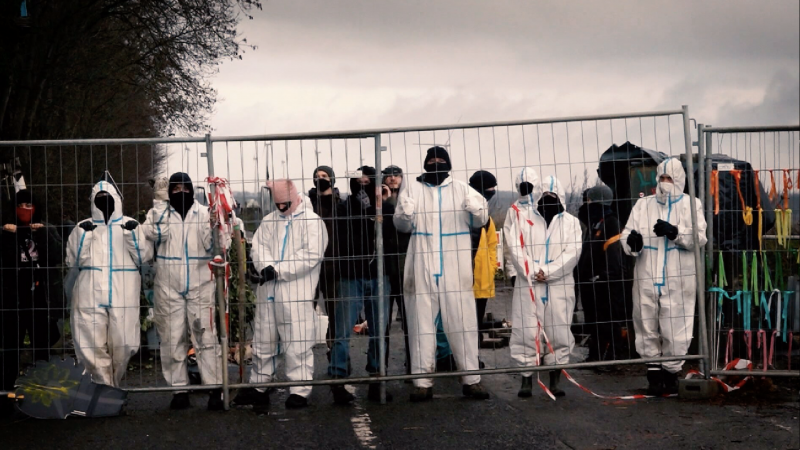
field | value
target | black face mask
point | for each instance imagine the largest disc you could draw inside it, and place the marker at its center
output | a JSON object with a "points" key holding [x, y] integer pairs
{"points": [[285, 207], [181, 201], [488, 194], [549, 207], [106, 205], [322, 185], [525, 188], [435, 173]]}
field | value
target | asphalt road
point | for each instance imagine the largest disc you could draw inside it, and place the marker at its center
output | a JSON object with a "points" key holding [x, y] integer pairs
{"points": [[764, 416]]}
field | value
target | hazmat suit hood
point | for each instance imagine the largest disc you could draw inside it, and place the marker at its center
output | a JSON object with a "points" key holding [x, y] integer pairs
{"points": [[111, 189], [284, 191], [528, 175], [674, 190], [550, 184]]}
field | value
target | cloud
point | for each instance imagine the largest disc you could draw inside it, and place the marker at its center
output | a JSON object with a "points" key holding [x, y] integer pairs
{"points": [[780, 105]]}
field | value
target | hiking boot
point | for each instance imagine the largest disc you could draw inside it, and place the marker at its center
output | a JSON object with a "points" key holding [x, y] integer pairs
{"points": [[215, 402], [555, 379], [374, 393], [655, 383], [421, 394], [296, 402], [476, 391], [670, 382], [251, 396], [180, 401], [526, 390], [340, 395]]}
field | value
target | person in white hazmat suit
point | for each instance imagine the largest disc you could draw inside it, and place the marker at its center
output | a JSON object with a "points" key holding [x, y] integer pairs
{"points": [[659, 235], [553, 249], [108, 249], [439, 212], [287, 251], [184, 288]]}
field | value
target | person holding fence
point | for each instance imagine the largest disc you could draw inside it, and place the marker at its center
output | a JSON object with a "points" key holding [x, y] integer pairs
{"points": [[288, 249], [29, 297], [108, 249], [659, 235], [358, 287], [184, 287], [440, 212]]}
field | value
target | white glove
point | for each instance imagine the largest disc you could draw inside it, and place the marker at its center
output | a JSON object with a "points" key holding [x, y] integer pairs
{"points": [[472, 205], [405, 206], [150, 314], [161, 189]]}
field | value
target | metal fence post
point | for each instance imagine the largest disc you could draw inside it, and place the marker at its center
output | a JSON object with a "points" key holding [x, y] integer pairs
{"points": [[700, 271], [710, 247], [219, 276], [381, 269]]}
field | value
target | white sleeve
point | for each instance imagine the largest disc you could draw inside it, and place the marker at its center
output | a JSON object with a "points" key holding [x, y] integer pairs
{"points": [[517, 254], [565, 263], [140, 249], [632, 224], [404, 214], [685, 238], [79, 247], [260, 252], [475, 204], [156, 225]]}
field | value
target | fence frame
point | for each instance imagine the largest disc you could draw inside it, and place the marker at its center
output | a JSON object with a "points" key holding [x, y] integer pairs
{"points": [[705, 140], [209, 140]]}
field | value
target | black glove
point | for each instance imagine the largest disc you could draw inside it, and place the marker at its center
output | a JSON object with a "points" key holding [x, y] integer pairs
{"points": [[130, 225], [87, 226], [662, 228], [635, 241], [513, 281], [268, 274]]}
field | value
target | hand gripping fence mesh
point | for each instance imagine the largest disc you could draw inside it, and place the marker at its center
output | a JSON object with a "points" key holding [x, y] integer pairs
{"points": [[753, 177], [364, 256]]}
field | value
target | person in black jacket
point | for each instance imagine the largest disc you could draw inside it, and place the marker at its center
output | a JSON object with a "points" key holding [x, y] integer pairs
{"points": [[30, 305], [358, 285], [602, 268]]}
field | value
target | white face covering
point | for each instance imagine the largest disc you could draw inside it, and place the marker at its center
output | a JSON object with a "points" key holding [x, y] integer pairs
{"points": [[665, 190]]}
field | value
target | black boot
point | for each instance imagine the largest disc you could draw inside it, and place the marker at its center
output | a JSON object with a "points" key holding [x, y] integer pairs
{"points": [[251, 396], [215, 402], [476, 391], [296, 402], [655, 383], [526, 390], [670, 382], [180, 401], [340, 395], [421, 394], [555, 379]]}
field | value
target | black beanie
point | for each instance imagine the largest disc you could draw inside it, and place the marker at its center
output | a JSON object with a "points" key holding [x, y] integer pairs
{"points": [[24, 196], [327, 170], [438, 152], [481, 180], [180, 178]]}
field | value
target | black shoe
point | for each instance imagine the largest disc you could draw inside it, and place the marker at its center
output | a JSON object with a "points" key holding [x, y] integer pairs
{"points": [[555, 379], [215, 402], [526, 390], [476, 391], [251, 396], [421, 394], [180, 401], [374, 393], [655, 383], [670, 382], [296, 402], [340, 395]]}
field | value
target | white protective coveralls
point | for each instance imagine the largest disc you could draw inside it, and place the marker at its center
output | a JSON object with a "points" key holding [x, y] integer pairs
{"points": [[294, 246], [664, 286], [524, 231], [438, 271], [184, 290], [105, 298]]}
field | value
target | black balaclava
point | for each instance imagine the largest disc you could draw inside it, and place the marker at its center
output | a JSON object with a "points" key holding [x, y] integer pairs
{"points": [[483, 180], [181, 201], [436, 173], [105, 203], [525, 188], [549, 207], [364, 195]]}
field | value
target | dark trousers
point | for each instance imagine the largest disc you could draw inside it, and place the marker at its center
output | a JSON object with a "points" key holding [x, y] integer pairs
{"points": [[42, 331]]}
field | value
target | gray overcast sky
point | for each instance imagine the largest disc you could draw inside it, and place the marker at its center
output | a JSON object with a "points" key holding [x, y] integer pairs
{"points": [[353, 64]]}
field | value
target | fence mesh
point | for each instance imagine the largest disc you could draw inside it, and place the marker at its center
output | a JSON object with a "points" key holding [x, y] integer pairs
{"points": [[309, 303]]}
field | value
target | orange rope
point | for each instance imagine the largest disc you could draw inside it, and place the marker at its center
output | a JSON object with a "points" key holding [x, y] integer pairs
{"points": [[787, 186], [715, 190], [758, 189], [773, 194], [747, 212]]}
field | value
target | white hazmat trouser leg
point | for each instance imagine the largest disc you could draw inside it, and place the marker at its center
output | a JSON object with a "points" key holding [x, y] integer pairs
{"points": [[523, 345]]}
